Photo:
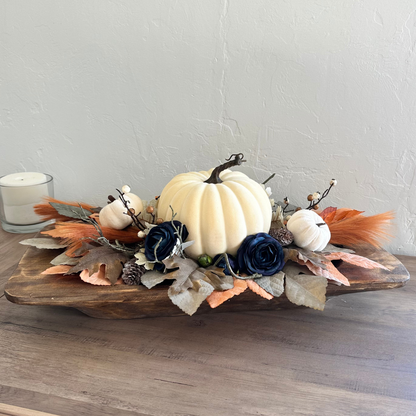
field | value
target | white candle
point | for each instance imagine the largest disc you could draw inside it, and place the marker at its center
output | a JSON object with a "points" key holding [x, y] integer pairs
{"points": [[19, 193]]}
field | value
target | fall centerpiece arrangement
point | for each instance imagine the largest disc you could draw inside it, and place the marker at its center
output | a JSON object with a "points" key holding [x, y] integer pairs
{"points": [[210, 236]]}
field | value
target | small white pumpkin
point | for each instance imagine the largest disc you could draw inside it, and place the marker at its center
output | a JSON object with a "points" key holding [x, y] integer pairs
{"points": [[309, 230], [115, 215], [218, 215]]}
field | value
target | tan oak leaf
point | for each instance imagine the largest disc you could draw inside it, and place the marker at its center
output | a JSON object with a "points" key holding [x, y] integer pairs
{"points": [[304, 289]]}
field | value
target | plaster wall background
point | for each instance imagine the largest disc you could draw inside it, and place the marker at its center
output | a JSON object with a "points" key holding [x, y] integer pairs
{"points": [[101, 93]]}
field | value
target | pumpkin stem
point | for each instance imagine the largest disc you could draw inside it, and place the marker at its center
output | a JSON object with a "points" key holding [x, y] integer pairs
{"points": [[215, 175], [321, 224]]}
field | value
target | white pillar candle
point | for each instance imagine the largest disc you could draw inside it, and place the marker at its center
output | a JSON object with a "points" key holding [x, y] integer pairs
{"points": [[19, 193]]}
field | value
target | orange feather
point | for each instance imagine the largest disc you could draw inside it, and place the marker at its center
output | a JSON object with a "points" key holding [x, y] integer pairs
{"points": [[48, 212], [353, 229], [75, 231]]}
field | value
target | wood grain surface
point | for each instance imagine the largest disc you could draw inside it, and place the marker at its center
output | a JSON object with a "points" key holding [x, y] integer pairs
{"points": [[355, 358], [28, 286]]}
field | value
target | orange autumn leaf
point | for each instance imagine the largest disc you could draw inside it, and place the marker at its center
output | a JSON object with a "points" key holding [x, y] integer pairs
{"points": [[332, 273], [330, 217], [216, 298], [254, 287], [61, 269], [97, 278], [335, 274], [48, 212], [356, 260], [327, 212]]}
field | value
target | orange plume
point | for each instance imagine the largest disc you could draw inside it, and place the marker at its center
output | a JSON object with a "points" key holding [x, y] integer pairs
{"points": [[75, 231], [48, 212], [351, 228]]}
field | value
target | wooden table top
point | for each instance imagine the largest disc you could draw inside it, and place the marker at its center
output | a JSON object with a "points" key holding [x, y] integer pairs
{"points": [[355, 358]]}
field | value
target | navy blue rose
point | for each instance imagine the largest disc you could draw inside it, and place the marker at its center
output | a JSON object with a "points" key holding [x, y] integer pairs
{"points": [[165, 238], [260, 253], [222, 263]]}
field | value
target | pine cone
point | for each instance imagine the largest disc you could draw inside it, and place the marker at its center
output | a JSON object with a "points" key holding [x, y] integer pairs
{"points": [[282, 235], [132, 272]]}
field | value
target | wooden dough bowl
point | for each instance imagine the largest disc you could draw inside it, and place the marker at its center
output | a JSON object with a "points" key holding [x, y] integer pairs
{"points": [[28, 286]]}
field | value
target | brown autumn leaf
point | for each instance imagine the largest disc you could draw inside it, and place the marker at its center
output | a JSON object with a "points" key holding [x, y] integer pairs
{"points": [[97, 256], [63, 259], [302, 255]]}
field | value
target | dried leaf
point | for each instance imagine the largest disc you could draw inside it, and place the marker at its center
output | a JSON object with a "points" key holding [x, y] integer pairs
{"points": [[47, 212], [98, 278], [356, 260], [70, 211], [61, 269], [302, 255], [217, 298], [258, 290], [331, 272], [152, 278], [190, 299], [330, 248], [304, 289], [185, 273], [324, 214], [335, 274], [98, 256], [44, 243], [64, 259], [272, 284], [217, 278]]}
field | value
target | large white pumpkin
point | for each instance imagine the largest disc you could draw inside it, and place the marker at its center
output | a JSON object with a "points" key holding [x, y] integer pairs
{"points": [[218, 216], [309, 230]]}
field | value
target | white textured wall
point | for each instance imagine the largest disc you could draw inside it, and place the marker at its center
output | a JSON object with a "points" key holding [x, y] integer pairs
{"points": [[100, 93]]}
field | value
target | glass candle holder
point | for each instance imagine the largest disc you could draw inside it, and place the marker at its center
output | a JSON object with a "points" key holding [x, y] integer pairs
{"points": [[19, 192]]}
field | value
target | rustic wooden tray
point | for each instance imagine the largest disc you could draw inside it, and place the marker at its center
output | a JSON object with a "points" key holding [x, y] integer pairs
{"points": [[28, 286]]}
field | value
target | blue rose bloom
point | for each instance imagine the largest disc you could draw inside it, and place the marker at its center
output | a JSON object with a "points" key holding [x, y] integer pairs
{"points": [[165, 233], [260, 253], [223, 264]]}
